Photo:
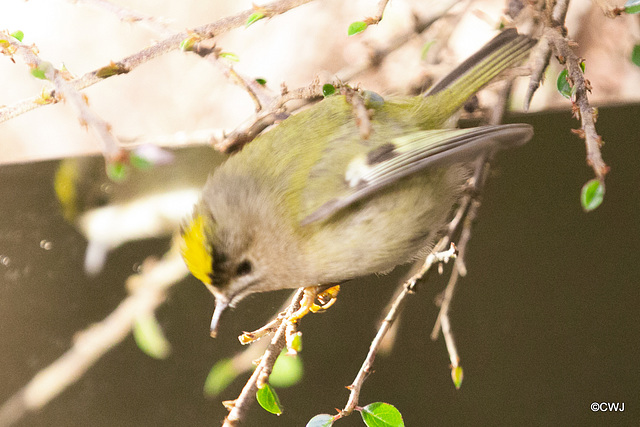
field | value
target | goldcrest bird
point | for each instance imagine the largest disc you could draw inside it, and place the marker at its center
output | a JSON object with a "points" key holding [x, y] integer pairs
{"points": [[316, 201]]}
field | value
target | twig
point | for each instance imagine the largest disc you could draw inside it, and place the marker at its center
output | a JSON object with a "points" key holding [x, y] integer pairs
{"points": [[468, 210], [559, 12], [382, 5], [261, 374], [126, 14], [163, 46], [149, 290], [253, 336], [258, 93], [246, 133], [435, 257], [539, 60], [459, 268], [273, 113], [64, 90], [361, 114], [178, 139], [377, 55], [448, 336], [580, 85], [553, 39], [608, 10]]}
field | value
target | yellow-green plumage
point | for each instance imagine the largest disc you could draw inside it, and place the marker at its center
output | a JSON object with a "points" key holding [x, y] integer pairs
{"points": [[312, 201], [307, 161]]}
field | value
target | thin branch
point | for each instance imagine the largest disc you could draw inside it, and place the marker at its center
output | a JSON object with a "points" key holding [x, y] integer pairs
{"points": [[468, 210], [553, 39], [163, 46], [435, 257], [361, 114], [608, 10], [448, 336], [377, 55], [458, 270], [258, 93], [382, 5], [148, 292], [582, 108], [64, 90], [261, 374], [246, 133], [539, 60], [559, 12], [178, 139], [271, 114], [275, 112]]}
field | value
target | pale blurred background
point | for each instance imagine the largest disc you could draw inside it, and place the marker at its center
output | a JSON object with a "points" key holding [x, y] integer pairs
{"points": [[546, 320], [182, 92]]}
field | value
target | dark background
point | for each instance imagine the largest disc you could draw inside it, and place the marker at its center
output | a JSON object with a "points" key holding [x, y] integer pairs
{"points": [[546, 322]]}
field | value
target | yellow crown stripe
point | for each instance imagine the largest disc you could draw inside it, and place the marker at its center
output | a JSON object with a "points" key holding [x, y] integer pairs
{"points": [[195, 251]]}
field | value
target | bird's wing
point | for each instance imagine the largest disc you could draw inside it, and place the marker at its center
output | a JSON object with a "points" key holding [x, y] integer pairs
{"points": [[403, 156]]}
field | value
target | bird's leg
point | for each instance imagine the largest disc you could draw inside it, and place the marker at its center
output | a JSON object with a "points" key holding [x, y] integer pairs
{"points": [[326, 298]]}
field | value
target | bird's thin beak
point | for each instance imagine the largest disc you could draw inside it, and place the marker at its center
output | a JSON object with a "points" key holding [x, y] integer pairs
{"points": [[221, 306]]}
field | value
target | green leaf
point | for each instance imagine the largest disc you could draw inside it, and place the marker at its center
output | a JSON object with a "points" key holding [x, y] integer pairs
{"points": [[268, 399], [117, 171], [287, 371], [296, 343], [148, 155], [187, 44], [381, 414], [592, 195], [328, 90], [140, 162], [583, 65], [220, 376], [632, 6], [563, 85], [635, 55], [321, 420], [261, 81], [254, 17], [18, 35], [425, 49], [356, 27], [149, 337], [38, 73], [230, 56], [456, 376]]}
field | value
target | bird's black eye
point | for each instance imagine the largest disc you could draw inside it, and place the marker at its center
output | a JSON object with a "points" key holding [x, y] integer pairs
{"points": [[244, 267]]}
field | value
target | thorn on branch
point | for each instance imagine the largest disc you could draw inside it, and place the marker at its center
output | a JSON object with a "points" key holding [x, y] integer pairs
{"points": [[229, 404], [581, 133]]}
